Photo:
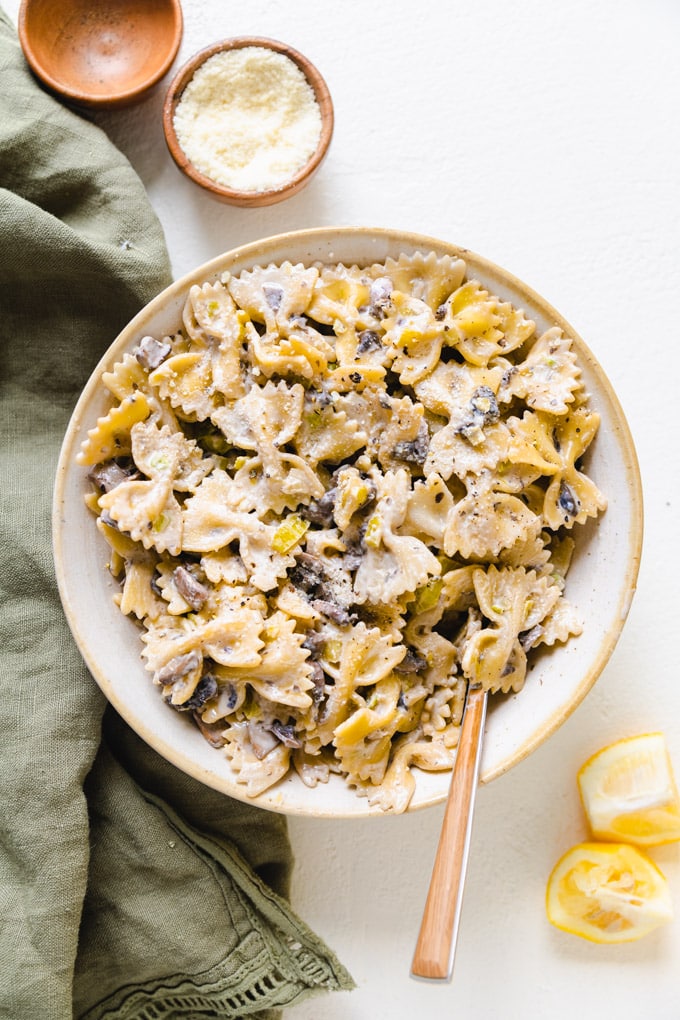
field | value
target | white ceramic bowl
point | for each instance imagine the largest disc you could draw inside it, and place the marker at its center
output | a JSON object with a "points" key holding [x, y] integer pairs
{"points": [[601, 581]]}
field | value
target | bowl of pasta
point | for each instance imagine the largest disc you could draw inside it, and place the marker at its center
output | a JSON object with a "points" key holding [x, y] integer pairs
{"points": [[319, 486]]}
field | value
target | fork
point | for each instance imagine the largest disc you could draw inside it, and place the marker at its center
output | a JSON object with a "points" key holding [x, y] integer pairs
{"points": [[436, 946]]}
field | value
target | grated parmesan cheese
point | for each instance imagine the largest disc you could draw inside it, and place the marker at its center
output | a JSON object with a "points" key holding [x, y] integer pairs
{"points": [[248, 119]]}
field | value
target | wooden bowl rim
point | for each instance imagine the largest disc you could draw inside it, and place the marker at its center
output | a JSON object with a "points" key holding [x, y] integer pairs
{"points": [[235, 196], [121, 97]]}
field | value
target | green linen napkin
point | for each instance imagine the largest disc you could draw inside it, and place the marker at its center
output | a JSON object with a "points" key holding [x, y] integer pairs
{"points": [[128, 891]]}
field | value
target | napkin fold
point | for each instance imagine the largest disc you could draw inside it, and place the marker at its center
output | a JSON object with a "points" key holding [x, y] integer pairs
{"points": [[128, 890]]}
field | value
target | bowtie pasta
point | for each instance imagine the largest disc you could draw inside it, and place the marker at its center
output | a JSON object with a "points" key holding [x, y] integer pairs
{"points": [[335, 497]]}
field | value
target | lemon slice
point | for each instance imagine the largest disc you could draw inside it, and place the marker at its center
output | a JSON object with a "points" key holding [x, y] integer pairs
{"points": [[607, 892], [629, 793]]}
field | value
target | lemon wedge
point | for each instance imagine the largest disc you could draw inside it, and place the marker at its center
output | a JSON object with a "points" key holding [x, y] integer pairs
{"points": [[629, 792], [607, 892]]}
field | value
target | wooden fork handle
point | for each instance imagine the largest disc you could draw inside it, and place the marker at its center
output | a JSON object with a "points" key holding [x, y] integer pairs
{"points": [[435, 948]]}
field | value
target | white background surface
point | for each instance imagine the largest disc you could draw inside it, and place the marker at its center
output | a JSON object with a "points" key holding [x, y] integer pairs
{"points": [[545, 137]]}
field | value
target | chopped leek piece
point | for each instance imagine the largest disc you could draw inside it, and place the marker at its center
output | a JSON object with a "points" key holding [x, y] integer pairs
{"points": [[158, 461], [161, 523], [289, 533], [332, 650], [373, 531], [428, 596]]}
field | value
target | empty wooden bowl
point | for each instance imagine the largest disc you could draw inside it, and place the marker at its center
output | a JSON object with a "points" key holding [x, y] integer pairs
{"points": [[254, 112], [100, 54]]}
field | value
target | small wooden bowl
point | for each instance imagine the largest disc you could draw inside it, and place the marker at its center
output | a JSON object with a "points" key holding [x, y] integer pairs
{"points": [[220, 191], [100, 54]]}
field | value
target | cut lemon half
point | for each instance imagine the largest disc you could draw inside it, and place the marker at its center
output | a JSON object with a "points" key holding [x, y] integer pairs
{"points": [[607, 892], [629, 792]]}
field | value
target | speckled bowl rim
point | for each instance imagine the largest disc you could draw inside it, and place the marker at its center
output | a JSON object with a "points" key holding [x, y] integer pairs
{"points": [[323, 244]]}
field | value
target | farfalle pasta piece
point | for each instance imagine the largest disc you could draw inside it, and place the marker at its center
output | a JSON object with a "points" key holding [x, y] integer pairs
{"points": [[485, 522], [531, 549], [480, 326], [466, 397], [138, 597], [360, 657], [254, 772], [370, 409], [209, 313], [265, 421], [212, 319], [147, 509], [224, 566], [394, 793], [363, 741], [353, 492], [453, 453], [415, 337], [429, 505], [430, 278], [231, 638], [561, 623], [160, 453], [549, 377], [342, 294], [282, 677], [326, 434], [443, 711], [186, 381], [514, 601], [393, 563], [111, 435], [126, 376], [300, 353], [209, 525], [129, 376], [571, 496], [284, 487], [406, 437], [274, 294]]}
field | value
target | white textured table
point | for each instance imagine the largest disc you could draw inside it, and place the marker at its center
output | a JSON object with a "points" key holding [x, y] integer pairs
{"points": [[545, 137]]}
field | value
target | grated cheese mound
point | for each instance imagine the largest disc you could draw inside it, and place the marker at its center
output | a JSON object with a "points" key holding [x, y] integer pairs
{"points": [[248, 119]]}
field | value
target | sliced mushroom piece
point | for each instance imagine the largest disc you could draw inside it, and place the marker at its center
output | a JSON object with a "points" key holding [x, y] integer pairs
{"points": [[411, 663], [414, 451], [380, 296], [150, 353], [332, 611], [308, 572], [318, 678], [286, 733], [213, 732], [320, 511], [368, 341], [109, 474], [193, 591], [206, 688], [177, 668], [314, 643], [262, 740]]}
